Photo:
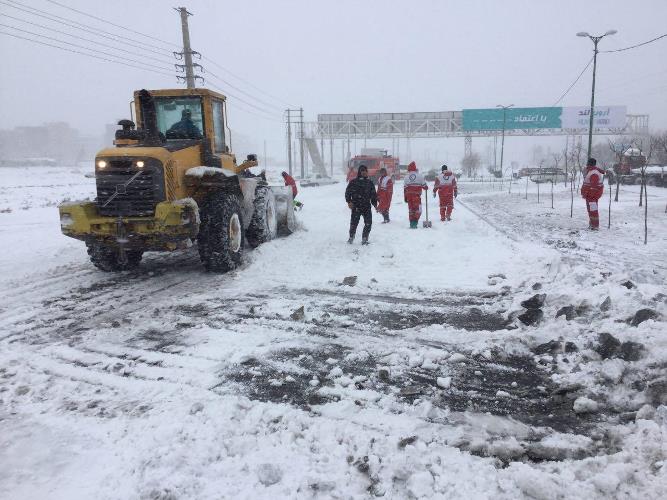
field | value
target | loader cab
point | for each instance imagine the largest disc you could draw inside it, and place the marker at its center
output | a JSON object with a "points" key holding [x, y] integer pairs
{"points": [[190, 116]]}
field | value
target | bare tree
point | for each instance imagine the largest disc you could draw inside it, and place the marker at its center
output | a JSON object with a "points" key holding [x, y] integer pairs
{"points": [[619, 147], [653, 144], [557, 157], [470, 164], [576, 161]]}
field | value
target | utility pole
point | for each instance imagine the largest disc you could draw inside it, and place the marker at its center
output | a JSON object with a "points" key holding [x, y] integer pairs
{"points": [[187, 53], [289, 140], [502, 140], [303, 172], [595, 40]]}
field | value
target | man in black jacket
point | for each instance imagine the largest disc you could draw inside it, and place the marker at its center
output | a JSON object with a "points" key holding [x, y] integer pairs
{"points": [[360, 195]]}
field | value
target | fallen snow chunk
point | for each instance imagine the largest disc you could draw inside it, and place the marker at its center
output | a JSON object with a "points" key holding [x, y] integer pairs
{"points": [[420, 485], [314, 382], [457, 357], [428, 364], [335, 372], [585, 405], [502, 394], [344, 381], [444, 382], [274, 382], [289, 378], [478, 373], [383, 373], [331, 361], [350, 280], [535, 302], [646, 412], [196, 408], [514, 384], [269, 474], [415, 361], [298, 314]]}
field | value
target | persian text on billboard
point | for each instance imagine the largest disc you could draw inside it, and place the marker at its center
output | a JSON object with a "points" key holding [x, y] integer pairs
{"points": [[515, 118], [603, 117]]}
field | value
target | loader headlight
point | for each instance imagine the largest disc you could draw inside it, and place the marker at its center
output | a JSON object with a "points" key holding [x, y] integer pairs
{"points": [[101, 164], [66, 220], [140, 164]]}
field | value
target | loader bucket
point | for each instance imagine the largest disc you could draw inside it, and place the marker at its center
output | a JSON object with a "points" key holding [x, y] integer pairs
{"points": [[285, 209]]}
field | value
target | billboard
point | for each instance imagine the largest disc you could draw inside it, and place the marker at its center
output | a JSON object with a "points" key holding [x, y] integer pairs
{"points": [[543, 118], [603, 117]]}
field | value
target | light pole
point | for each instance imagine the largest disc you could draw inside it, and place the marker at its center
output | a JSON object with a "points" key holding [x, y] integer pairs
{"points": [[596, 40], [502, 140]]}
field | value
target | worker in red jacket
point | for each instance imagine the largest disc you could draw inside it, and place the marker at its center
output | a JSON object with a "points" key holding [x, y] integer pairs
{"points": [[445, 186], [385, 191], [591, 191], [289, 181], [413, 185]]}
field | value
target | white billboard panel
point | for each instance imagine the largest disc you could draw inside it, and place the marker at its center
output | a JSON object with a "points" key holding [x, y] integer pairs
{"points": [[604, 117]]}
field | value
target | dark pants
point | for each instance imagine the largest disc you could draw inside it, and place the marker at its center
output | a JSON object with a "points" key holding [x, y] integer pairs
{"points": [[385, 215], [357, 213]]}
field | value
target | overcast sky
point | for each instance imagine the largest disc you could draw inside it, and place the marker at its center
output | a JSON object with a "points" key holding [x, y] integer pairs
{"points": [[344, 57]]}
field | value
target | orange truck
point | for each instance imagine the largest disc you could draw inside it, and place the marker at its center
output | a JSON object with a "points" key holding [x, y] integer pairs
{"points": [[374, 159]]}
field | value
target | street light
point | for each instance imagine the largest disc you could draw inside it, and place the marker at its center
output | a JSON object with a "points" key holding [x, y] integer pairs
{"points": [[502, 141], [595, 40]]}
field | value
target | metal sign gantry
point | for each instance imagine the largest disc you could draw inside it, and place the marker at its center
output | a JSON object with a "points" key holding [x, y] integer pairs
{"points": [[440, 124]]}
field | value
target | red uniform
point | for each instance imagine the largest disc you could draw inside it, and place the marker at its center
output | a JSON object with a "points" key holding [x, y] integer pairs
{"points": [[289, 181], [591, 190], [445, 186], [385, 191], [413, 185]]}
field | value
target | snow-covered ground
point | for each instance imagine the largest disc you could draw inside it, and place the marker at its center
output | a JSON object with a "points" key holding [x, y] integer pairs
{"points": [[413, 380]]}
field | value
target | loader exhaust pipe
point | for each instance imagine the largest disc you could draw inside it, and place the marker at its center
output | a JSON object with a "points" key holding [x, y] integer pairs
{"points": [[149, 119]]}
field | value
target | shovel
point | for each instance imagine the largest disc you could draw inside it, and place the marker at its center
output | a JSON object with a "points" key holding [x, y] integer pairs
{"points": [[427, 223]]}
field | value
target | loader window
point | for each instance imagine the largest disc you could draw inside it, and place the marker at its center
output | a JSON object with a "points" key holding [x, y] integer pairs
{"points": [[218, 126], [179, 118]]}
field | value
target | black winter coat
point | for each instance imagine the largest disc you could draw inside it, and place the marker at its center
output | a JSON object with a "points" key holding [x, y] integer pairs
{"points": [[361, 193]]}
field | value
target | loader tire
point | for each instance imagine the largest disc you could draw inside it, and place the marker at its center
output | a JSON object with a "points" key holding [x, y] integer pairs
{"points": [[221, 234], [264, 224], [107, 258]]}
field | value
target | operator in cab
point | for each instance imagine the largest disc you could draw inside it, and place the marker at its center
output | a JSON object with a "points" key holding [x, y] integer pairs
{"points": [[185, 128]]}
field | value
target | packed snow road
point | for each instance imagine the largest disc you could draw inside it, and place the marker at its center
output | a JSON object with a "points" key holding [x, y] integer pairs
{"points": [[324, 370]]}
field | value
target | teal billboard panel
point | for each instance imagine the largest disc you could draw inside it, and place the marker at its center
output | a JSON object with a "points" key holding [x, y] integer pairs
{"points": [[515, 118]]}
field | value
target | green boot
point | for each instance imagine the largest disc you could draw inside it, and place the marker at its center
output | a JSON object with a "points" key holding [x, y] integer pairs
{"points": [[413, 224]]}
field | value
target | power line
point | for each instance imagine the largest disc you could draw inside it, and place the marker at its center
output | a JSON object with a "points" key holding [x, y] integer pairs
{"points": [[86, 28], [247, 82], [106, 59], [113, 24], [117, 38], [638, 45], [82, 47], [84, 53], [573, 83], [242, 91], [85, 39], [239, 108], [267, 114]]}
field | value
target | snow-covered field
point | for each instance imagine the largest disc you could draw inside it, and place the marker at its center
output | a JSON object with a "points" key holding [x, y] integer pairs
{"points": [[414, 380]]}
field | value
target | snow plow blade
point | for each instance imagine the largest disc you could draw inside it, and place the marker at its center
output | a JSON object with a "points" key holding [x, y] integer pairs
{"points": [[285, 208]]}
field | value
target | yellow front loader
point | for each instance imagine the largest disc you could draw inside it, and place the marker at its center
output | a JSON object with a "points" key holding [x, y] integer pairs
{"points": [[173, 181]]}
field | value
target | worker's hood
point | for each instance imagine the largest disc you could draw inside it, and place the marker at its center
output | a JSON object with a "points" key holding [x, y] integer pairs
{"points": [[412, 167]]}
